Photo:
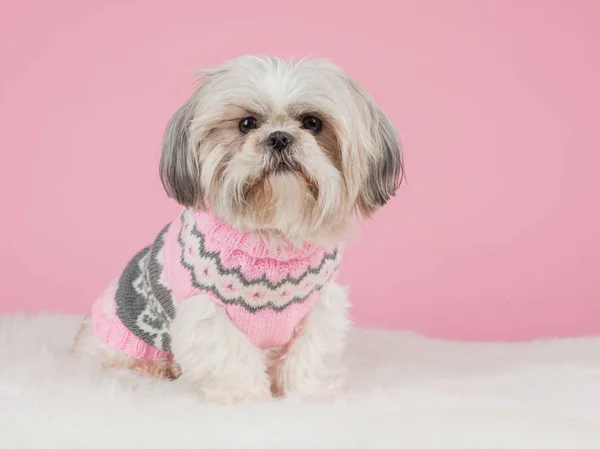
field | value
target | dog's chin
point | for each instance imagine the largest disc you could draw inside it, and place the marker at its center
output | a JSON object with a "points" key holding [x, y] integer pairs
{"points": [[283, 203], [282, 169], [277, 202]]}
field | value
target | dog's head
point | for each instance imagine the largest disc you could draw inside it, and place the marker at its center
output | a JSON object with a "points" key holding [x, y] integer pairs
{"points": [[271, 145]]}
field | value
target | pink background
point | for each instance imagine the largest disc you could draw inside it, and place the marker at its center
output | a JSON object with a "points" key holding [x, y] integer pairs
{"points": [[496, 235]]}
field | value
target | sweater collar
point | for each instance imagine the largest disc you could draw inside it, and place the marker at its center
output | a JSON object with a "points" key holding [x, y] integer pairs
{"points": [[230, 238]]}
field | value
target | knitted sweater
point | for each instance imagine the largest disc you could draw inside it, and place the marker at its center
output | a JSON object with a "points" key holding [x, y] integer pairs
{"points": [[265, 291]]}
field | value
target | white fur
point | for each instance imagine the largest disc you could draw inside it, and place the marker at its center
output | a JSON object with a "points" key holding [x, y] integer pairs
{"points": [[312, 365], [404, 392], [215, 356]]}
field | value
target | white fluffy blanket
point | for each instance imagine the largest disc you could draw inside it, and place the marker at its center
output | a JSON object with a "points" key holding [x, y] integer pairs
{"points": [[407, 392]]}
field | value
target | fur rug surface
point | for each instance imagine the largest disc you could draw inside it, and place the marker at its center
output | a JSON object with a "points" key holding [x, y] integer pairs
{"points": [[406, 392]]}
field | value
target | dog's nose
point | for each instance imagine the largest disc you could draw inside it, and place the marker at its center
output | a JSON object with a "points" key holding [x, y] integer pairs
{"points": [[280, 140]]}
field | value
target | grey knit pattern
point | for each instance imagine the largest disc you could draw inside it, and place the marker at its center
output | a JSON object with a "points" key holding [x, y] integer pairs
{"points": [[144, 303]]}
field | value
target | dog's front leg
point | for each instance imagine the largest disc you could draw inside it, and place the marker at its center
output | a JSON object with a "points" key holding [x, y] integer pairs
{"points": [[312, 365], [215, 356]]}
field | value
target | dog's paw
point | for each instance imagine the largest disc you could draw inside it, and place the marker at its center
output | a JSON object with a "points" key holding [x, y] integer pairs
{"points": [[160, 369]]}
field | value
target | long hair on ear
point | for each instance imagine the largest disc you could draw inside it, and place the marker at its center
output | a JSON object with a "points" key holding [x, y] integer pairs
{"points": [[385, 166], [179, 165]]}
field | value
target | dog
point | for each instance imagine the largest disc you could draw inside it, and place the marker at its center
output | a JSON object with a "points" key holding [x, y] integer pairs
{"points": [[273, 163]]}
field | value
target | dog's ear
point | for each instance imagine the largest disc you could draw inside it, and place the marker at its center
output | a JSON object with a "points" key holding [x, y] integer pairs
{"points": [[179, 165], [385, 168]]}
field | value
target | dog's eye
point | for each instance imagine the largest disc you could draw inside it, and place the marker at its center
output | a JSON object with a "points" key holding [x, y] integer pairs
{"points": [[312, 123], [248, 124]]}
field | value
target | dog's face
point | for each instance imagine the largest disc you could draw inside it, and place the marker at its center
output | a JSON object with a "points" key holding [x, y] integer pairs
{"points": [[275, 146]]}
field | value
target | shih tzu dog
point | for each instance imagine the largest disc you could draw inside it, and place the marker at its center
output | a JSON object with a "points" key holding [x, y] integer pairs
{"points": [[273, 161]]}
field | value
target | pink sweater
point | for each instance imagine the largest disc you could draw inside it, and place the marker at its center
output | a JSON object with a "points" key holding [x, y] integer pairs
{"points": [[265, 290]]}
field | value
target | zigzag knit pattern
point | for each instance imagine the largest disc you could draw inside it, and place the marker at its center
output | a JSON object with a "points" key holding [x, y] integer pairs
{"points": [[265, 289]]}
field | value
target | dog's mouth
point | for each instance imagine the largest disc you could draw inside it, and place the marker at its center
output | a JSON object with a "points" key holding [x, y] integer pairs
{"points": [[282, 163], [283, 168], [258, 194]]}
